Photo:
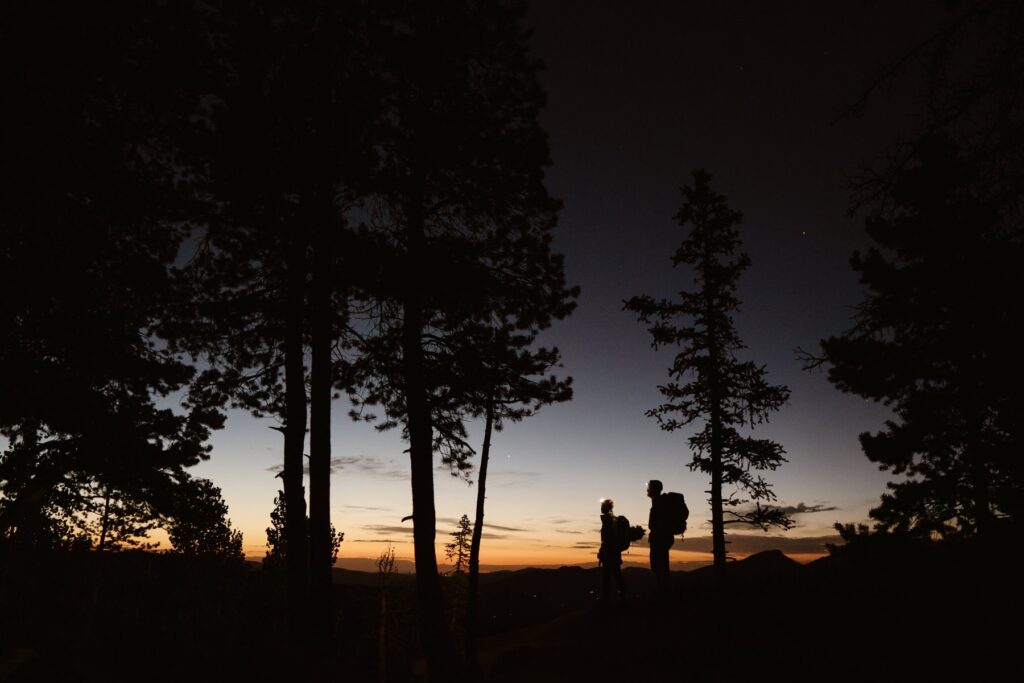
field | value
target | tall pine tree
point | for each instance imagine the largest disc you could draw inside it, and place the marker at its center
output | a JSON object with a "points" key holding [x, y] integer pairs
{"points": [[285, 147], [98, 199], [510, 382], [707, 381], [464, 221], [931, 341]]}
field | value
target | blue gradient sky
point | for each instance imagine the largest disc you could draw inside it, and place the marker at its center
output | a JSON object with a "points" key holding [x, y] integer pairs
{"points": [[639, 94]]}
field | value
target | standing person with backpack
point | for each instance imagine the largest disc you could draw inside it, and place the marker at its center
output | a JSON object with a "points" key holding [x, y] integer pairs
{"points": [[609, 557], [668, 518]]}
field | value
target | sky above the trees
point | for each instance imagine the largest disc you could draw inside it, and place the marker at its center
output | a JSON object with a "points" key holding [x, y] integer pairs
{"points": [[638, 95]]}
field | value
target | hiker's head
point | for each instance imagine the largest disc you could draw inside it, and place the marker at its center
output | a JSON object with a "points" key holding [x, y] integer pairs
{"points": [[654, 488], [606, 505]]}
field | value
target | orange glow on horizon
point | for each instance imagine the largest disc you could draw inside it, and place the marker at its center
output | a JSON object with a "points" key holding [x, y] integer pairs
{"points": [[516, 557]]}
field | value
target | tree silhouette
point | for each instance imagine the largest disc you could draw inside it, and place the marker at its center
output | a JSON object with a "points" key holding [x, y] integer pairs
{"points": [[277, 548], [81, 513], [930, 341], [457, 552], [267, 274], [463, 222], [385, 567], [706, 379], [96, 214], [123, 521], [458, 548], [946, 199], [199, 524], [971, 70], [245, 318], [111, 517], [511, 380], [247, 275]]}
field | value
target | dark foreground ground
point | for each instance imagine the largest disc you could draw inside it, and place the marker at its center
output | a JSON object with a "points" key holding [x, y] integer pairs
{"points": [[909, 616]]}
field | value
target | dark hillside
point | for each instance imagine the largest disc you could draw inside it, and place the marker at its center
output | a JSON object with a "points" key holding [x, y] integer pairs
{"points": [[131, 616]]}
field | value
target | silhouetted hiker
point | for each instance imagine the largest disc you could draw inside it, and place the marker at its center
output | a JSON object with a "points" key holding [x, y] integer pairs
{"points": [[610, 555], [661, 537]]}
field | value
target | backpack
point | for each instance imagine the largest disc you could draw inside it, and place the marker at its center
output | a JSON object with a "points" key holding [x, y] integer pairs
{"points": [[626, 534], [675, 512]]}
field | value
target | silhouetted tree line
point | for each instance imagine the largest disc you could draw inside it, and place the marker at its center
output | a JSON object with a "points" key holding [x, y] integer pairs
{"points": [[101, 418], [218, 204], [213, 204]]}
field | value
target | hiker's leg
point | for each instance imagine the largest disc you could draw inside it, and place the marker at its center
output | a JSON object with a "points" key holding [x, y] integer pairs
{"points": [[659, 563], [665, 567], [621, 581], [606, 580]]}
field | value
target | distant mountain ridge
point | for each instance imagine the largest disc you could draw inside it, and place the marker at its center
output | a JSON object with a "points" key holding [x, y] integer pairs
{"points": [[638, 561]]}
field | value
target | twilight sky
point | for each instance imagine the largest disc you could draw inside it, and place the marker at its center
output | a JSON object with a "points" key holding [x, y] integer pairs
{"points": [[639, 94]]}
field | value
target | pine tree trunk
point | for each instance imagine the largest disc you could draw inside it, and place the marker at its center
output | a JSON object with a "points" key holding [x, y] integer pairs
{"points": [[435, 636], [715, 390], [979, 498], [979, 480], [717, 514], [105, 522], [294, 442], [983, 516], [320, 603], [474, 550], [434, 633]]}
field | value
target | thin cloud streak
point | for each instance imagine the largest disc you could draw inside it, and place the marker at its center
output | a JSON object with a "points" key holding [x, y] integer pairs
{"points": [[501, 528], [378, 468], [387, 529], [803, 509], [748, 544]]}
